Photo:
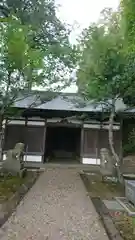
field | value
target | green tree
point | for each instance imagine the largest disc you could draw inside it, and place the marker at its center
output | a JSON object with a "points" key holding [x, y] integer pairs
{"points": [[128, 23], [48, 33], [105, 72], [16, 58], [127, 9]]}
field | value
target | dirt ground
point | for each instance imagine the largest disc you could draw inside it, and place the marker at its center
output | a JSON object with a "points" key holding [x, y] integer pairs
{"points": [[108, 190]]}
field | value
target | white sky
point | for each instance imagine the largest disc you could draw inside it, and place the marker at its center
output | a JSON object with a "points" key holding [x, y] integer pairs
{"points": [[81, 13]]}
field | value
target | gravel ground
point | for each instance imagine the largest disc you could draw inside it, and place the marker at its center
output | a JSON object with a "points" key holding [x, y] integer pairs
{"points": [[56, 208]]}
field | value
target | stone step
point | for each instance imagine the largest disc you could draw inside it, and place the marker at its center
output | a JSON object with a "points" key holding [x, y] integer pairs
{"points": [[129, 208], [90, 167], [39, 165]]}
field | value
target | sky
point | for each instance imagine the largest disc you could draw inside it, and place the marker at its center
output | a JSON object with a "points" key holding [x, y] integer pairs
{"points": [[81, 13]]}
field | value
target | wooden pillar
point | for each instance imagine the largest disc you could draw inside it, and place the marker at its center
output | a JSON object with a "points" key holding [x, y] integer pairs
{"points": [[82, 144], [25, 137], [97, 144], [44, 142], [99, 138]]}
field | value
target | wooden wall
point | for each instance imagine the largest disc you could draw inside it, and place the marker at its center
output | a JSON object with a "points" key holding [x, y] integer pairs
{"points": [[31, 136], [90, 145], [95, 139]]}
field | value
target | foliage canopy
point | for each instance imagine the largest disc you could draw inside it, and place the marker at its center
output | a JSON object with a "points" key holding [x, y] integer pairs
{"points": [[47, 33], [106, 71]]}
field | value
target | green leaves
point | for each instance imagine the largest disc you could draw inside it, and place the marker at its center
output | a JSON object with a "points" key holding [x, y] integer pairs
{"points": [[48, 34], [17, 47], [15, 43], [105, 71], [128, 23], [35, 48], [130, 146], [19, 62]]}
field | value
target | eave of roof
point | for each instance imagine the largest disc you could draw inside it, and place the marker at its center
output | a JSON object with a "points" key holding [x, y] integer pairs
{"points": [[62, 102]]}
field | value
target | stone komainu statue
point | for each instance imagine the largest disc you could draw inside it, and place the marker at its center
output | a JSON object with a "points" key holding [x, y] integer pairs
{"points": [[14, 160], [107, 166]]}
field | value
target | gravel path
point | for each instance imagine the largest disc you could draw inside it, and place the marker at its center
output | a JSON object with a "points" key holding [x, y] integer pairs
{"points": [[56, 208]]}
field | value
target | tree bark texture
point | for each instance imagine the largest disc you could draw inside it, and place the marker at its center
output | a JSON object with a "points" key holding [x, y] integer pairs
{"points": [[111, 143]]}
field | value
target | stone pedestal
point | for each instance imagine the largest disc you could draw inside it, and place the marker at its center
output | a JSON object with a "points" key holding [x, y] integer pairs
{"points": [[130, 191]]}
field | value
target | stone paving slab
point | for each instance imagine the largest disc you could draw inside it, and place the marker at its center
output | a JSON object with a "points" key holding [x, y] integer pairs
{"points": [[113, 205], [56, 208]]}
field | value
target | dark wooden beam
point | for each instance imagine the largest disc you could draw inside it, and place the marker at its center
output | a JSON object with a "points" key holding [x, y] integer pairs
{"points": [[82, 143], [44, 141]]}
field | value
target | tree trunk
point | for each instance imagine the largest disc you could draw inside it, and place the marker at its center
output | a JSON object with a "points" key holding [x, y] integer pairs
{"points": [[111, 143]]}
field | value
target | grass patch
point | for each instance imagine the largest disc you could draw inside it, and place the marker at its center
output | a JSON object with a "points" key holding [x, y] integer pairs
{"points": [[9, 185], [104, 190], [126, 227]]}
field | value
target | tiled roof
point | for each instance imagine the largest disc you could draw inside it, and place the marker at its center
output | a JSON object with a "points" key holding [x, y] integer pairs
{"points": [[26, 102], [69, 102], [58, 103]]}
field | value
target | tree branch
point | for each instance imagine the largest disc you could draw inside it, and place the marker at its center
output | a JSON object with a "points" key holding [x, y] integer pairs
{"points": [[4, 10]]}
